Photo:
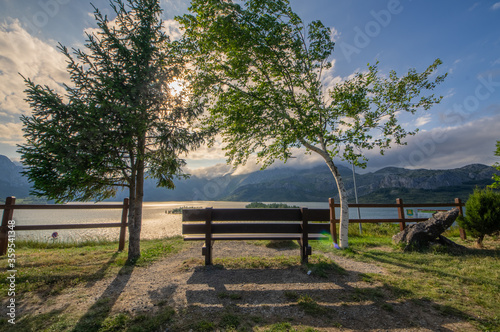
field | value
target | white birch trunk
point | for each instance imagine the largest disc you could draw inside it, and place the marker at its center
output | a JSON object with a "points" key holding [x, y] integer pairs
{"points": [[344, 206]]}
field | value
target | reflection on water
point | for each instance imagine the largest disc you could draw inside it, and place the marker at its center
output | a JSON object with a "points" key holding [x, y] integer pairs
{"points": [[156, 222]]}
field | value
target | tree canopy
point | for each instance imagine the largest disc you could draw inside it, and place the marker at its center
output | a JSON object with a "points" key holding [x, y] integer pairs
{"points": [[258, 70], [118, 122]]}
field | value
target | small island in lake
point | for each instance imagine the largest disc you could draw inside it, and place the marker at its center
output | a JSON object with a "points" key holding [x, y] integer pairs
{"points": [[259, 205]]}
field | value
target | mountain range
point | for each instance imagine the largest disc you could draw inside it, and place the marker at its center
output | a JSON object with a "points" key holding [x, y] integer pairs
{"points": [[287, 184]]}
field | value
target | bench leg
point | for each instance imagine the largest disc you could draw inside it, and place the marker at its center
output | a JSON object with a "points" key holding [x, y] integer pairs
{"points": [[207, 252], [305, 252]]}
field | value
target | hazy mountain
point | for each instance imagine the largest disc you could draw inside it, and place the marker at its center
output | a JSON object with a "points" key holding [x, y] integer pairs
{"points": [[12, 183], [288, 184]]}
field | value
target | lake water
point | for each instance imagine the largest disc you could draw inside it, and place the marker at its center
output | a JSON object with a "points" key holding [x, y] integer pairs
{"points": [[156, 222]]}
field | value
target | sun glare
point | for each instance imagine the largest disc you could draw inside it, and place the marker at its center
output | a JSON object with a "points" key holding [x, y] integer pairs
{"points": [[177, 86]]}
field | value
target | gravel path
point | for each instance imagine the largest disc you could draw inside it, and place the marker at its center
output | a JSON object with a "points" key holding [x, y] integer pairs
{"points": [[346, 301]]}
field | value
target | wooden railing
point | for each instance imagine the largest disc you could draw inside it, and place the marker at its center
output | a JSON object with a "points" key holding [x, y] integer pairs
{"points": [[400, 206], [10, 206]]}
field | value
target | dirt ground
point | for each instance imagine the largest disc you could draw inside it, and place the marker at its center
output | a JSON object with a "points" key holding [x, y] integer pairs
{"points": [[345, 302]]}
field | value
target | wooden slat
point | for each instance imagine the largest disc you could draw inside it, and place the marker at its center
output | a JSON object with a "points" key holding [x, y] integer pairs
{"points": [[256, 215], [356, 221], [65, 206], [244, 215], [260, 228], [319, 214], [236, 237], [236, 228], [197, 228], [65, 226], [193, 215], [422, 205], [319, 228]]}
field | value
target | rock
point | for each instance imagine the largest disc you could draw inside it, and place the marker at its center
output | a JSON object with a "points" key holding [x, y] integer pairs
{"points": [[420, 235]]}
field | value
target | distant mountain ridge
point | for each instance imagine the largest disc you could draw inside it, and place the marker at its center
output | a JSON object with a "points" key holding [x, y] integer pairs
{"points": [[286, 184], [12, 183]]}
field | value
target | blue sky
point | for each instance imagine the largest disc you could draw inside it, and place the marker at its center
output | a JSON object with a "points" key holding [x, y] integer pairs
{"points": [[403, 34]]}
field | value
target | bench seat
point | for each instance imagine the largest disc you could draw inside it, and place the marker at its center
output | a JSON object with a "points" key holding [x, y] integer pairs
{"points": [[235, 237]]}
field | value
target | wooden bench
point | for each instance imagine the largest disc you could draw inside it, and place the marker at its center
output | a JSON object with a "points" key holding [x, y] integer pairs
{"points": [[211, 225]]}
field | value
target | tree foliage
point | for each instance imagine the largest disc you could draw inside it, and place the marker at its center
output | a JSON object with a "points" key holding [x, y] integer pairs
{"points": [[496, 177], [482, 211], [119, 121], [259, 71]]}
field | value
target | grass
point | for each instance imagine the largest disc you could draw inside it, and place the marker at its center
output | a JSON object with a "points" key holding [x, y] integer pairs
{"points": [[459, 283], [462, 284], [49, 268]]}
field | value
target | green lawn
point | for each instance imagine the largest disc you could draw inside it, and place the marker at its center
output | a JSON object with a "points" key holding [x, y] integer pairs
{"points": [[463, 284]]}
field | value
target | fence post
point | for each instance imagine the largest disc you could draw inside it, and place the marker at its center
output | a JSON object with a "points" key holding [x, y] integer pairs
{"points": [[463, 235], [123, 227], [333, 226], [8, 214], [401, 214]]}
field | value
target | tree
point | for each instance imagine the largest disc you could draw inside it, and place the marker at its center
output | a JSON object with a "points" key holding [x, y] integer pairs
{"points": [[482, 214], [120, 122], [258, 70], [496, 177]]}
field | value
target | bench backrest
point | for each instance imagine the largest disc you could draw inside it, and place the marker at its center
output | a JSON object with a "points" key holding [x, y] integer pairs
{"points": [[236, 221]]}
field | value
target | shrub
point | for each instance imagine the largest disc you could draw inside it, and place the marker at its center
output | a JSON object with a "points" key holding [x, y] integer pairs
{"points": [[482, 214]]}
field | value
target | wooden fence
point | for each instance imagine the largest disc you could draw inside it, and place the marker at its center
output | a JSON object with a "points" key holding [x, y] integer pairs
{"points": [[10, 206], [400, 206]]}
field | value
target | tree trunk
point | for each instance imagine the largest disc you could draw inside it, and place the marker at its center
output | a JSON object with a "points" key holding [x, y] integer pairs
{"points": [[135, 213], [344, 206], [479, 241]]}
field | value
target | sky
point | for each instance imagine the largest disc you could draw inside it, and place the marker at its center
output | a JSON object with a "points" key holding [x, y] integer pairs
{"points": [[400, 34]]}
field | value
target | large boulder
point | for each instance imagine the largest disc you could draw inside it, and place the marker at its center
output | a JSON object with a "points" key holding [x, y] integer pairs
{"points": [[420, 235]]}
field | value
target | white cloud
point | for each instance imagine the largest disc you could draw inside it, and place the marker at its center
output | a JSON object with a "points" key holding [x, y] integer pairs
{"points": [[172, 28], [496, 6], [11, 133], [21, 53], [211, 172], [334, 34], [423, 120], [444, 148], [474, 6]]}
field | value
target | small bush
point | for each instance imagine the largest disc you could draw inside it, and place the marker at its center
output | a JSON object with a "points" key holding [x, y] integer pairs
{"points": [[482, 214]]}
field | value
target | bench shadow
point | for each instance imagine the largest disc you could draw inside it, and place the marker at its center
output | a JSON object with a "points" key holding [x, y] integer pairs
{"points": [[334, 301]]}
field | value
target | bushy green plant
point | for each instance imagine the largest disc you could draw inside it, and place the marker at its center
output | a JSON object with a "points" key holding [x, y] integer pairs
{"points": [[482, 214], [496, 177]]}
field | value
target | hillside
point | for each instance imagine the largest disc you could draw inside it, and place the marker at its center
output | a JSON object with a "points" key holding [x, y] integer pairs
{"points": [[313, 184], [12, 183]]}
